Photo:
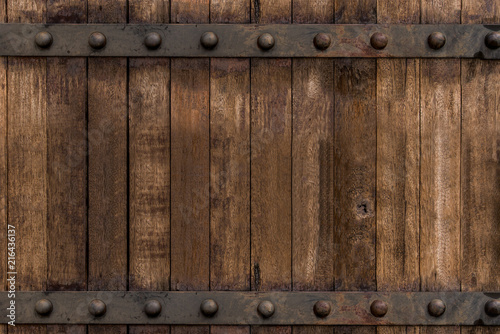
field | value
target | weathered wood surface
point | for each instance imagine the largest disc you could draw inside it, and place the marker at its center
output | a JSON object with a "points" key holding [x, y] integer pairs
{"points": [[230, 164], [149, 164], [251, 174]]}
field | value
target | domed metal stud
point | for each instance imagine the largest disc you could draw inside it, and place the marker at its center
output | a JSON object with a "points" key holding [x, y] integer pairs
{"points": [[492, 308], [152, 40], [436, 40], [436, 307], [43, 39], [97, 40], [322, 308], [209, 40], [322, 41], [152, 308], [492, 40], [97, 308], [43, 307], [209, 307], [379, 308], [379, 41], [266, 309], [266, 41]]}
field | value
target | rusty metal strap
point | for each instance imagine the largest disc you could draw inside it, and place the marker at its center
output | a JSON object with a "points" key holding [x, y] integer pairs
{"points": [[246, 40], [252, 308]]}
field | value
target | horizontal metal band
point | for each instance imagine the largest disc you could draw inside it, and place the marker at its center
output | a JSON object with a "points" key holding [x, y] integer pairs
{"points": [[242, 40], [252, 308]]}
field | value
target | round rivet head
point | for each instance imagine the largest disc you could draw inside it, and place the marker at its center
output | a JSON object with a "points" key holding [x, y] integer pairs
{"points": [[97, 308], [209, 307], [43, 307], [379, 308], [152, 308], [322, 308], [266, 41], [266, 309], [152, 40], [209, 40], [43, 39], [379, 41], [492, 40], [322, 41], [436, 307], [436, 40], [97, 40], [492, 308]]}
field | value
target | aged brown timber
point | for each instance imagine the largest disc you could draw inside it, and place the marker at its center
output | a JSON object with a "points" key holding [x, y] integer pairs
{"points": [[67, 165], [312, 161], [480, 187], [27, 160], [149, 165], [107, 139]]}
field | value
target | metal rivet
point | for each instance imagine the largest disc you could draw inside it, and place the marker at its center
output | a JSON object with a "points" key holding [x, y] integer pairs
{"points": [[379, 308], [152, 308], [209, 307], [436, 307], [209, 40], [492, 40], [152, 40], [43, 307], [436, 40], [322, 308], [43, 39], [266, 41], [97, 308], [266, 309], [97, 40], [379, 41], [492, 308], [322, 41]]}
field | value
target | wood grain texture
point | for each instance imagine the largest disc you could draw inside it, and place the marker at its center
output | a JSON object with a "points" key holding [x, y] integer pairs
{"points": [[67, 11], [230, 174], [398, 174], [398, 165], [355, 163], [312, 166], [230, 164], [480, 179], [440, 162], [398, 161], [271, 127], [107, 137], [271, 174], [149, 164], [149, 11], [27, 159], [190, 163], [3, 165]]}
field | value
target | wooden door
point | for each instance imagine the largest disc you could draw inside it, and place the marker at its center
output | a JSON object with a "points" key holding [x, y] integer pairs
{"points": [[250, 174]]}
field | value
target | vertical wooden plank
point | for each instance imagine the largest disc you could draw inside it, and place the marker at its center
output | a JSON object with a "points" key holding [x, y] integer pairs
{"points": [[271, 127], [440, 163], [27, 159], [312, 164], [67, 164], [3, 165], [230, 164], [149, 175], [398, 164], [107, 140], [355, 162], [190, 163], [480, 178]]}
